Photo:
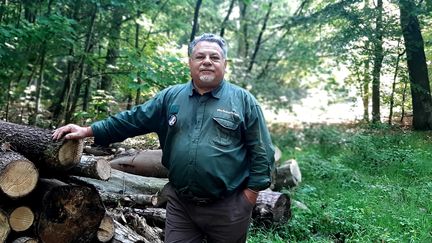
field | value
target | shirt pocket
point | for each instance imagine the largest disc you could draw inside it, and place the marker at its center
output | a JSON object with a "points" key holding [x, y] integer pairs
{"points": [[227, 131]]}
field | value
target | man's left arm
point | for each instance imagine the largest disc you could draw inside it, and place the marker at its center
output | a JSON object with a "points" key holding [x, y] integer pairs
{"points": [[260, 152]]}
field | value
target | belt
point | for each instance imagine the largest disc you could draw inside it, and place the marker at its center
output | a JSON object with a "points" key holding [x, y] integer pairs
{"points": [[201, 201], [198, 201]]}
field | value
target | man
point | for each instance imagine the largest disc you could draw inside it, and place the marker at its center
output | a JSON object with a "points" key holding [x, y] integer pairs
{"points": [[215, 145]]}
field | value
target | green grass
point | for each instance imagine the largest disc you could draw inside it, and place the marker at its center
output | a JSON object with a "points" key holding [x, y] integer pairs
{"points": [[359, 184]]}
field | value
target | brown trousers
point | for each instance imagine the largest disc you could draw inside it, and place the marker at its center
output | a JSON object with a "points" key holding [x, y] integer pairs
{"points": [[226, 220]]}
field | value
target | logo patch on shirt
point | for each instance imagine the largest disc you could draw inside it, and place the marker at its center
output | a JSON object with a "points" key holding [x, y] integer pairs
{"points": [[228, 112], [172, 120]]}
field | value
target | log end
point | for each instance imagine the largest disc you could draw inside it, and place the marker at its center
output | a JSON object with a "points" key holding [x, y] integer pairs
{"points": [[70, 153], [106, 229], [295, 171], [25, 240], [70, 214], [21, 219], [4, 226], [19, 178], [103, 169]]}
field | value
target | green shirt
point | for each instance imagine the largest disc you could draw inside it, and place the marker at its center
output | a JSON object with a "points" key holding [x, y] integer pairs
{"points": [[213, 144]]}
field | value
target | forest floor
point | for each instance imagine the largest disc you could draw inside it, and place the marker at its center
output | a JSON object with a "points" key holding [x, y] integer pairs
{"points": [[360, 184]]}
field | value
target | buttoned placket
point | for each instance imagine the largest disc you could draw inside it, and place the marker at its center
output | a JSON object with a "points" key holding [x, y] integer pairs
{"points": [[200, 102]]}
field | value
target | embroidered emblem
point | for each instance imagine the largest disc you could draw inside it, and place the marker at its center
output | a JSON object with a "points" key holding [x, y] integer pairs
{"points": [[172, 120], [228, 112]]}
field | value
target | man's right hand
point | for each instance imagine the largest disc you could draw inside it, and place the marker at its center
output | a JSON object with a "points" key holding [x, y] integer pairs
{"points": [[72, 131]]}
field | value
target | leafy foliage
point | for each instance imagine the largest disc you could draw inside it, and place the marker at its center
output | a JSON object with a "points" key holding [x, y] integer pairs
{"points": [[374, 186]]}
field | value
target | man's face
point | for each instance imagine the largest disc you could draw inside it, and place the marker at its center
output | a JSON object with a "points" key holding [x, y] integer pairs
{"points": [[207, 65]]}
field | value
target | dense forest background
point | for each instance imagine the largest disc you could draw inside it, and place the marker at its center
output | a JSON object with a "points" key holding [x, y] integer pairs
{"points": [[78, 61], [67, 61]]}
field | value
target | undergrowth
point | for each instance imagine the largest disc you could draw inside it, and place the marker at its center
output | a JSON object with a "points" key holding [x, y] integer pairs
{"points": [[359, 184]]}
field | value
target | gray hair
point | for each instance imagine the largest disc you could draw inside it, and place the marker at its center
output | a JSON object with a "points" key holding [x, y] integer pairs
{"points": [[210, 38]]}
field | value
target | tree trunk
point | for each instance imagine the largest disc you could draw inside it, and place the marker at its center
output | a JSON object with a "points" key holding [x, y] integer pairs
{"points": [[145, 163], [4, 226], [378, 58], [288, 175], [92, 167], [21, 219], [124, 234], [29, 10], [64, 96], [81, 64], [403, 100], [139, 80], [127, 184], [224, 23], [417, 66], [106, 229], [132, 199], [18, 175], [393, 90], [68, 213], [25, 240], [366, 83], [258, 42], [243, 38], [195, 25], [34, 117], [156, 215], [37, 145], [113, 47], [139, 225], [272, 207], [2, 10]]}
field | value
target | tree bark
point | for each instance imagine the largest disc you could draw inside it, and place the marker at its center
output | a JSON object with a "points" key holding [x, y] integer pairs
{"points": [[18, 175], [271, 207], [65, 93], [417, 66], [4, 226], [145, 163], [81, 64], [258, 42], [156, 215], [25, 240], [366, 83], [224, 23], [243, 40], [404, 91], [393, 90], [195, 25], [69, 212], [37, 145], [378, 58], [92, 167], [113, 47], [138, 223], [288, 175], [124, 234], [127, 184]]}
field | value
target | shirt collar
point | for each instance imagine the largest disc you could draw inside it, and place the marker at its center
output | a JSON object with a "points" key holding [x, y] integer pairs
{"points": [[216, 93]]}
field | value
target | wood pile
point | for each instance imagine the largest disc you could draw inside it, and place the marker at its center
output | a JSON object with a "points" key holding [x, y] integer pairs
{"points": [[51, 192]]}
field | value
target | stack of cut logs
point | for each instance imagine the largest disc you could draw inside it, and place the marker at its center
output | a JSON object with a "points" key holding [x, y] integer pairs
{"points": [[51, 192]]}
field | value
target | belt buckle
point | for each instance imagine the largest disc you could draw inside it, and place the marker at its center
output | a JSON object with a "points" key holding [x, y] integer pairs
{"points": [[201, 201]]}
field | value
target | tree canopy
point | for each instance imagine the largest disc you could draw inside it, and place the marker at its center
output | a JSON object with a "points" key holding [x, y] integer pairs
{"points": [[76, 61]]}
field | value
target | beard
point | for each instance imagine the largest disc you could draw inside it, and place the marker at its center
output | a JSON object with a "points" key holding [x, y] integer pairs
{"points": [[207, 78]]}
